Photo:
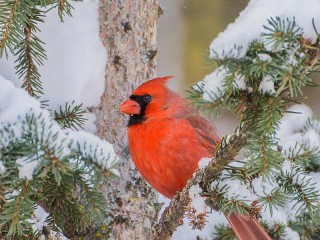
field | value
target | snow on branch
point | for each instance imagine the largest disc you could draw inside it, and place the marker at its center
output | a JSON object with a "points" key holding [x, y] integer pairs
{"points": [[263, 60], [251, 21], [21, 116], [40, 161]]}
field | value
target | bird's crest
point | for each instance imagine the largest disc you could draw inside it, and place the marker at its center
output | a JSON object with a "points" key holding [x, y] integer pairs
{"points": [[153, 85]]}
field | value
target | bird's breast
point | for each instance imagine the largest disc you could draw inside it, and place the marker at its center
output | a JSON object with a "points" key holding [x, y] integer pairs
{"points": [[166, 153]]}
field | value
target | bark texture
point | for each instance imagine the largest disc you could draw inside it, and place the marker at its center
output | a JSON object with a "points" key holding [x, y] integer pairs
{"points": [[128, 31]]}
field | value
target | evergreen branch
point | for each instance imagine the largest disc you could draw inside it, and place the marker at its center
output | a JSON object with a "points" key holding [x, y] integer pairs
{"points": [[31, 50], [302, 189], [269, 115], [62, 204], [230, 83], [195, 95], [314, 58], [262, 156], [224, 232], [305, 155], [64, 8], [17, 210], [276, 198], [65, 179], [18, 36], [277, 231], [173, 215], [15, 223], [75, 214], [275, 69], [280, 31], [312, 123], [217, 200], [71, 116], [306, 227], [18, 20], [54, 165], [9, 9], [61, 4], [30, 53], [261, 118]]}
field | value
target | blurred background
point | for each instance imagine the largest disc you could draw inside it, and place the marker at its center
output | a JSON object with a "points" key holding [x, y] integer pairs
{"points": [[185, 31]]}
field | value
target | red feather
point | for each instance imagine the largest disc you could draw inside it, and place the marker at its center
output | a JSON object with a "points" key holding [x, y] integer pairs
{"points": [[168, 139]]}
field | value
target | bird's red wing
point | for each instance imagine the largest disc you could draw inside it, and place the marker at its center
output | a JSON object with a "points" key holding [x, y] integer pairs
{"points": [[207, 132]]}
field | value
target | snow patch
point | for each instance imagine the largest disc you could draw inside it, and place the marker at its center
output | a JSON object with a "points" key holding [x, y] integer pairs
{"points": [[40, 216], [291, 234], [26, 167], [204, 162], [2, 167], [213, 85], [267, 85], [292, 123], [197, 201], [60, 141]]}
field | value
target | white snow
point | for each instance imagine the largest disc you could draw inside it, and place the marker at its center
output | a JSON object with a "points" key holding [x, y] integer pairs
{"points": [[290, 128], [2, 167], [185, 232], [278, 216], [235, 189], [204, 162], [87, 144], [197, 201], [74, 71], [262, 186], [249, 25], [40, 216], [26, 167], [264, 57], [267, 85], [286, 166], [240, 83], [291, 234], [312, 138], [213, 85], [13, 101], [78, 73]]}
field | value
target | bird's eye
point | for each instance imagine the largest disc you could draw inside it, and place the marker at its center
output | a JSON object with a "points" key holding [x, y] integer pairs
{"points": [[147, 98]]}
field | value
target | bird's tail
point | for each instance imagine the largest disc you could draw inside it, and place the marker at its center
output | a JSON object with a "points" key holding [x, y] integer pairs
{"points": [[247, 228]]}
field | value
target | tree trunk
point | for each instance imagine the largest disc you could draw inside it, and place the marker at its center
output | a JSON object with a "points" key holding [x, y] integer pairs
{"points": [[128, 31]]}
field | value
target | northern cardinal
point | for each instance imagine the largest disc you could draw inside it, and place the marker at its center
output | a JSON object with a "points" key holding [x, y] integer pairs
{"points": [[167, 139]]}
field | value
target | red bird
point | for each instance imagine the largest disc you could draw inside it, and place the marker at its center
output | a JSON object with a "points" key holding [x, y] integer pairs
{"points": [[167, 139]]}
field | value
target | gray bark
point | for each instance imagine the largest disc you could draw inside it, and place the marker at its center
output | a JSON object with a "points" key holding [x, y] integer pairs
{"points": [[128, 31]]}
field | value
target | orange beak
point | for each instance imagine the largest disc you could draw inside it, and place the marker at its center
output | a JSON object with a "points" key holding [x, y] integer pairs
{"points": [[130, 107]]}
